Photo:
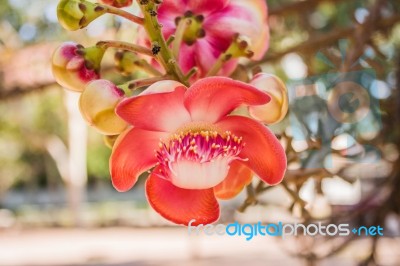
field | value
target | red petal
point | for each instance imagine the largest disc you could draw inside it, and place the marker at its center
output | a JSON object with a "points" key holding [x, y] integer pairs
{"points": [[265, 154], [210, 99], [238, 177], [181, 205], [155, 112], [133, 153]]}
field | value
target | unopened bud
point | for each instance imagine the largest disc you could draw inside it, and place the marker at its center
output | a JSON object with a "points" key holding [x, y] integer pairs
{"points": [[97, 105], [77, 14], [74, 66], [127, 62], [274, 111]]}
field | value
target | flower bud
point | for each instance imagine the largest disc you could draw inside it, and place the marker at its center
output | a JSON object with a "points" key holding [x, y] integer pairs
{"points": [[117, 3], [127, 62], [274, 111], [74, 66], [97, 105], [77, 14]]}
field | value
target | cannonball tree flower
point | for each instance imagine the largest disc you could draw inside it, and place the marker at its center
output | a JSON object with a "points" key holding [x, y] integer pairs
{"points": [[274, 111], [74, 66], [117, 3], [199, 151], [97, 105], [205, 30]]}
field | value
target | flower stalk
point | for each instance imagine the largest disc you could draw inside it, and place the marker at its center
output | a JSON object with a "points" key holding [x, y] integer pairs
{"points": [[122, 13], [128, 62], [129, 87], [238, 48], [222, 59], [159, 45], [183, 24], [125, 46], [191, 73], [140, 83], [93, 57]]}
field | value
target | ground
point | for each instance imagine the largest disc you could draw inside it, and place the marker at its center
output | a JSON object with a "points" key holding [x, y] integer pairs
{"points": [[156, 246]]}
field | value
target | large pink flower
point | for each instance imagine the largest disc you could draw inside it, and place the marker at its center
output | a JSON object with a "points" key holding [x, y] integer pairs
{"points": [[199, 151], [214, 25]]}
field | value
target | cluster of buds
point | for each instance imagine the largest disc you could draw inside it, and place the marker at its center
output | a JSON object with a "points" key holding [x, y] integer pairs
{"points": [[181, 40], [78, 69]]}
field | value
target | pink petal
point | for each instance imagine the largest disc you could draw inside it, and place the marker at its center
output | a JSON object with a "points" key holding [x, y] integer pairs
{"points": [[238, 177], [63, 54], [203, 55], [217, 44], [231, 20], [228, 68], [259, 12], [172, 9], [247, 18], [133, 154], [206, 56], [266, 156], [206, 6], [168, 26], [181, 205], [187, 57], [156, 112], [212, 98], [87, 75], [75, 63]]}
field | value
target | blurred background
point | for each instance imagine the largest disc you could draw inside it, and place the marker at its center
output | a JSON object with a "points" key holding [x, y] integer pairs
{"points": [[341, 63]]}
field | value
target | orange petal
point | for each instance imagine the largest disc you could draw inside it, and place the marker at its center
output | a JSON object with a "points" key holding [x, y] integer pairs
{"points": [[210, 99], [181, 205], [155, 111], [265, 154], [133, 153], [238, 177]]}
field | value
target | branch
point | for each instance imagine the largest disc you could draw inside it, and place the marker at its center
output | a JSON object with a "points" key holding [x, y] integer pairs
{"points": [[298, 7], [321, 41]]}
